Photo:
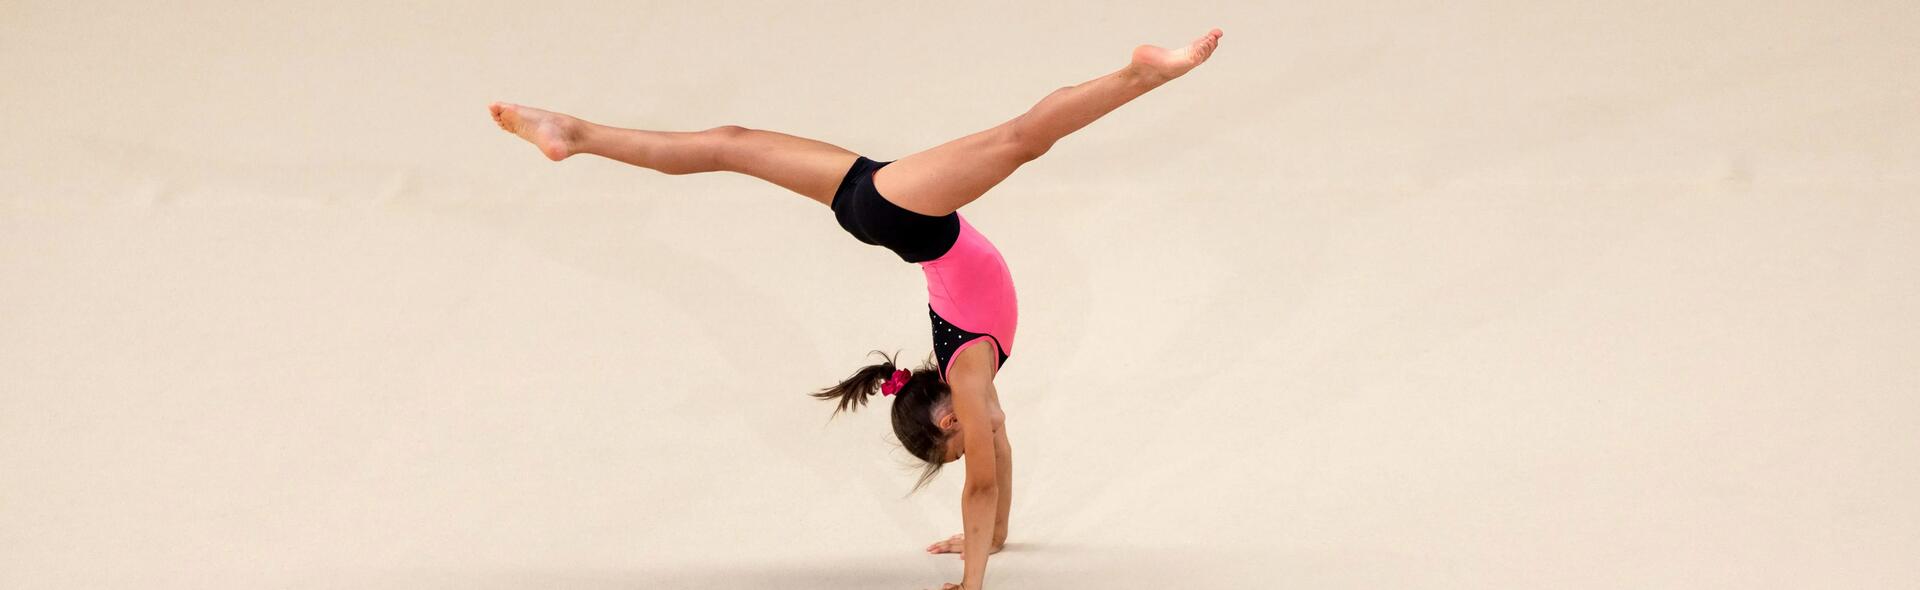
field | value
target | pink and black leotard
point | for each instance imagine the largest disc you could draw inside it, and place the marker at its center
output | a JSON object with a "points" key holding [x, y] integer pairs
{"points": [[969, 291]]}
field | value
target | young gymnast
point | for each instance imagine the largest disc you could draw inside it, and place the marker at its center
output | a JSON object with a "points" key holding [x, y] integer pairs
{"points": [[944, 411]]}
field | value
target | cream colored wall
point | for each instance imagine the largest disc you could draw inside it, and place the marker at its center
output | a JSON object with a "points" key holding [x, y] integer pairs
{"points": [[1403, 295]]}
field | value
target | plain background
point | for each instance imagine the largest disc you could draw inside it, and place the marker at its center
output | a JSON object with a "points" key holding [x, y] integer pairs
{"points": [[1388, 295]]}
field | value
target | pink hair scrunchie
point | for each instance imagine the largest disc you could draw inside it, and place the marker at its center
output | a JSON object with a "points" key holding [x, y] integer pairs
{"points": [[894, 383]]}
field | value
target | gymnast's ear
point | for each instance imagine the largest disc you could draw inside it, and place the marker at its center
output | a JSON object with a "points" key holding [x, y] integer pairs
{"points": [[944, 418]]}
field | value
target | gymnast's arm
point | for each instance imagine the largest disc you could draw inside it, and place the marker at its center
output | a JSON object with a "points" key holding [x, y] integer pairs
{"points": [[1003, 461], [980, 496]]}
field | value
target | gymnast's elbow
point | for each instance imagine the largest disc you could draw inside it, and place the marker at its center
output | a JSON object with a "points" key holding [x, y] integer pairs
{"points": [[989, 489]]}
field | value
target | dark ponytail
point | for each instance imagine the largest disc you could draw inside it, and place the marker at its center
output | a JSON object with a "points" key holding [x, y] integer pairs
{"points": [[913, 407], [854, 391]]}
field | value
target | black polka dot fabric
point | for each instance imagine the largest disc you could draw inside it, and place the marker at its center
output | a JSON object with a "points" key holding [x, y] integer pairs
{"points": [[947, 340]]}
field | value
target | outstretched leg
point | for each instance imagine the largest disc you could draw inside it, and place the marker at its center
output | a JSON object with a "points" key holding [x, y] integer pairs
{"points": [[811, 168], [942, 179]]}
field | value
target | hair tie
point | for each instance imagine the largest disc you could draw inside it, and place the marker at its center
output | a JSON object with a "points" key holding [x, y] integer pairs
{"points": [[894, 383]]}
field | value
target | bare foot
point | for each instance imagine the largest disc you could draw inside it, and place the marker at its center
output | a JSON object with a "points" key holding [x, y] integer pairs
{"points": [[1168, 64], [554, 133]]}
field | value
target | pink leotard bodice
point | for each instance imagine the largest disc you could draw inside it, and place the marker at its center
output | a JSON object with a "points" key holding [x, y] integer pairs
{"points": [[971, 289]]}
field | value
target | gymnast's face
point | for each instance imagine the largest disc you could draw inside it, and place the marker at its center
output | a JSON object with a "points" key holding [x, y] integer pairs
{"points": [[953, 449]]}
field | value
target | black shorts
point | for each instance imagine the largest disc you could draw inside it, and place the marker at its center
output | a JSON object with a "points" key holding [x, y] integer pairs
{"points": [[873, 219]]}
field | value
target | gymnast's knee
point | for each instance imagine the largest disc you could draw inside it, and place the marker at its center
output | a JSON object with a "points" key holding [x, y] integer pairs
{"points": [[721, 145], [727, 131], [1023, 142]]}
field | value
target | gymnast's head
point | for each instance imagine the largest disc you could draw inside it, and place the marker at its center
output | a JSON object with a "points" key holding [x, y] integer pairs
{"points": [[922, 409]]}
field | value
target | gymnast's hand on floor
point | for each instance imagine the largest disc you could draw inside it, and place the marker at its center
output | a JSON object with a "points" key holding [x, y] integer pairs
{"points": [[955, 544]]}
